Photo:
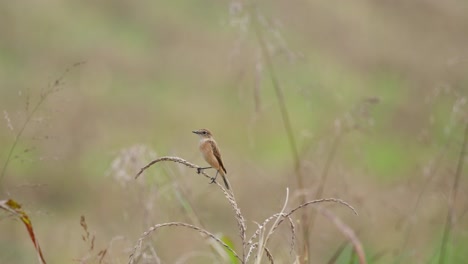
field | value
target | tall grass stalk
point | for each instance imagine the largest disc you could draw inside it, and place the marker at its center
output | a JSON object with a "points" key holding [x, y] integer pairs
{"points": [[324, 175], [453, 197], [286, 123], [408, 228]]}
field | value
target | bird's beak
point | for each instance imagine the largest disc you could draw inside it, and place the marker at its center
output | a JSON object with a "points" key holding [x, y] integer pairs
{"points": [[195, 132]]}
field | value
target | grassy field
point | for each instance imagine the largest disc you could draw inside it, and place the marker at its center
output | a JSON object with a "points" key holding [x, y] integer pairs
{"points": [[375, 93]]}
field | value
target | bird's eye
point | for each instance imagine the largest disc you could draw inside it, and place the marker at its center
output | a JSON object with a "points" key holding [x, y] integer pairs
{"points": [[204, 132]]}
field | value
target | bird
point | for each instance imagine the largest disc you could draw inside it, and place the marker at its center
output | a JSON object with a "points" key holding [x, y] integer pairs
{"points": [[211, 154]]}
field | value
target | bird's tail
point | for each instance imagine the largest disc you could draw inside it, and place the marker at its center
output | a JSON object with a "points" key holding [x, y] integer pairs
{"points": [[225, 180]]}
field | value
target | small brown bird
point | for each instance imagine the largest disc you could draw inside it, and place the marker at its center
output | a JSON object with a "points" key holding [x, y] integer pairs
{"points": [[211, 154]]}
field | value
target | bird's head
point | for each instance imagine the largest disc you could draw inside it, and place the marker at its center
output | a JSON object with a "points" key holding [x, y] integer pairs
{"points": [[203, 133]]}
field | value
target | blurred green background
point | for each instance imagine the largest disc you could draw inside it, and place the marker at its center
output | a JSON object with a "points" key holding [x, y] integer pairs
{"points": [[384, 83]]}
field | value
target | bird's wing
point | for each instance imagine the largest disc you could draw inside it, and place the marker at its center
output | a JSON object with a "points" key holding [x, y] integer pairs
{"points": [[217, 154]]}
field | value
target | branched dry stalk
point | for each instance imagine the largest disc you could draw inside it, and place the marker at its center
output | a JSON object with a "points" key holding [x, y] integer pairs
{"points": [[261, 236], [263, 225], [280, 217], [228, 194], [263, 240]]}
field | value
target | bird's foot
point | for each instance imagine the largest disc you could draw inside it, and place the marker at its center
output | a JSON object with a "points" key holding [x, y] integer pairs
{"points": [[213, 180], [199, 170]]}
